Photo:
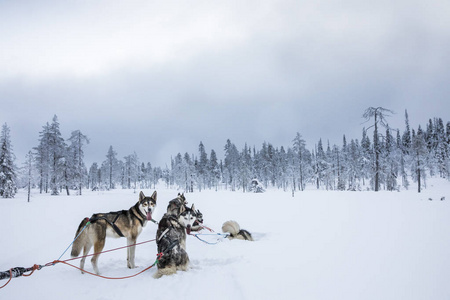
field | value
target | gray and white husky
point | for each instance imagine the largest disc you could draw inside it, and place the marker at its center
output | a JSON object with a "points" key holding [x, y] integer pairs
{"points": [[175, 206], [124, 223], [235, 232], [171, 238]]}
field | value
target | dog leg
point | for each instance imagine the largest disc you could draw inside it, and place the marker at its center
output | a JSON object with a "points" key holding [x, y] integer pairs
{"points": [[168, 270], [86, 249], [98, 247], [131, 253]]}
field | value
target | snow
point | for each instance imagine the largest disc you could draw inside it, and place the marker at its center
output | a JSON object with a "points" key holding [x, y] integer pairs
{"points": [[316, 245]]}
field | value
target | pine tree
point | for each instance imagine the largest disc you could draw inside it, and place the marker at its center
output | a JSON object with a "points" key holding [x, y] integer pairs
{"points": [[214, 169], [42, 158], [406, 138], [379, 115], [202, 167], [366, 157], [29, 162], [344, 168], [300, 159], [111, 167], [419, 157], [94, 176], [402, 164], [231, 165], [441, 151], [179, 173], [57, 154], [245, 166], [391, 159], [78, 172], [189, 172], [330, 171], [353, 165], [131, 171], [8, 178]]}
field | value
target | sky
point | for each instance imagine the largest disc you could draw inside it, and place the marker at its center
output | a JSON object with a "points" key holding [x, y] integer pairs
{"points": [[158, 77]]}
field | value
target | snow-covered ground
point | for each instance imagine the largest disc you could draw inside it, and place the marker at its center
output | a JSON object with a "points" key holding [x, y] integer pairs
{"points": [[316, 245]]}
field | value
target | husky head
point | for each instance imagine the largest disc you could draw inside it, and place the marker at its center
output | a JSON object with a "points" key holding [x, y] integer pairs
{"points": [[147, 204], [187, 217], [182, 199], [177, 205]]}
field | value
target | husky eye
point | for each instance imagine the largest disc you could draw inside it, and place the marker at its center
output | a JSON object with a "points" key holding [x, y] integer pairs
{"points": [[145, 204]]}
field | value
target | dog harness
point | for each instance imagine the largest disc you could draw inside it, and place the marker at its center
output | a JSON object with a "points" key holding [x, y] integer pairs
{"points": [[112, 224]]}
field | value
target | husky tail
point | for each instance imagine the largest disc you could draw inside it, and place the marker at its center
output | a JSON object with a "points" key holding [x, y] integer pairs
{"points": [[233, 228], [80, 239]]}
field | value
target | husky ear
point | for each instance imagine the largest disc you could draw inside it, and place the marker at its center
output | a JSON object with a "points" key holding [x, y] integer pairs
{"points": [[141, 196], [182, 209], [154, 195], [193, 207]]}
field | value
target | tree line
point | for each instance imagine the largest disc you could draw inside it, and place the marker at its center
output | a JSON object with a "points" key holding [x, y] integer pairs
{"points": [[383, 159]]}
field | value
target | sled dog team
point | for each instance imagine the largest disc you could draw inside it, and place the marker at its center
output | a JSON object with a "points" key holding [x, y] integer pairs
{"points": [[178, 221]]}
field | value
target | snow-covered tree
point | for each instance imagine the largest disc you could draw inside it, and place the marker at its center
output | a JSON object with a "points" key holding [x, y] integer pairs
{"points": [[28, 172], [300, 160], [57, 155], [94, 177], [131, 171], [320, 164], [214, 169], [406, 137], [78, 168], [202, 167], [419, 157], [245, 167], [390, 163], [231, 165], [111, 168], [42, 159], [379, 115], [8, 186]]}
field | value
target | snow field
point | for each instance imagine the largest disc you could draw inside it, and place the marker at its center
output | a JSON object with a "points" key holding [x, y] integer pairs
{"points": [[317, 245]]}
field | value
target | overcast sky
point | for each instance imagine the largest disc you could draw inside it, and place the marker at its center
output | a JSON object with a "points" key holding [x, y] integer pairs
{"points": [[158, 77]]}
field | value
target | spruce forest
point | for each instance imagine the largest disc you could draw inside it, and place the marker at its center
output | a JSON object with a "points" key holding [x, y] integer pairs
{"points": [[383, 159]]}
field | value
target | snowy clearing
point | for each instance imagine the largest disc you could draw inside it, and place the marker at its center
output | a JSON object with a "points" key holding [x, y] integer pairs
{"points": [[317, 245]]}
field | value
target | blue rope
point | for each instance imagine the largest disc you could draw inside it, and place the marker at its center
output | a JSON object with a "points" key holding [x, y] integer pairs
{"points": [[74, 240], [210, 243]]}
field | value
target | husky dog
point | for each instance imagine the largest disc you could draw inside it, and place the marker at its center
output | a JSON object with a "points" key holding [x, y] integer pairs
{"points": [[125, 223], [232, 227], [198, 224], [175, 206], [171, 239]]}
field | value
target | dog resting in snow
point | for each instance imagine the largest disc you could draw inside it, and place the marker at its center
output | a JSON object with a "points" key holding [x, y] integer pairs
{"points": [[232, 227]]}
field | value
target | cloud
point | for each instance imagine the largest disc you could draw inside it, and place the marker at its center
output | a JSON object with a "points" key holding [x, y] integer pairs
{"points": [[158, 78]]}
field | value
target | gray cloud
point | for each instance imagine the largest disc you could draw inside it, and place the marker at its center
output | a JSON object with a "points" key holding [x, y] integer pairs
{"points": [[158, 80]]}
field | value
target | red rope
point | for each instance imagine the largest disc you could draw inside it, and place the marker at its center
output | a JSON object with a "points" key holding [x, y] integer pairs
{"points": [[105, 277], [38, 267], [35, 267], [203, 226], [98, 253]]}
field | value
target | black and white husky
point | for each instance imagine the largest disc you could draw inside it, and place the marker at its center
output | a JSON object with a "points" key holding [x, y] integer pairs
{"points": [[171, 238], [235, 232], [175, 206]]}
